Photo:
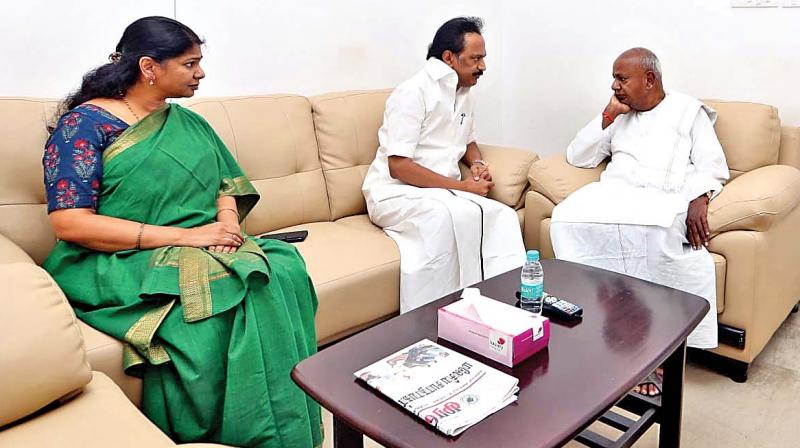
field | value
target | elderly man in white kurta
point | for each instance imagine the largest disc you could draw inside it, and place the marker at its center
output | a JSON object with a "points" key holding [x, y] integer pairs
{"points": [[449, 234], [646, 217]]}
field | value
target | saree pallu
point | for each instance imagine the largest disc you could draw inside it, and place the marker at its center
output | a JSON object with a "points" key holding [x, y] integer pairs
{"points": [[214, 336]]}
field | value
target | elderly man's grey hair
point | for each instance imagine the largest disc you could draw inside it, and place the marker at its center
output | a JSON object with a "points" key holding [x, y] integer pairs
{"points": [[647, 59]]}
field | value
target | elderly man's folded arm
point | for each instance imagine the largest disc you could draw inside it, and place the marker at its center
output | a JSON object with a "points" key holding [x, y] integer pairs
{"points": [[591, 146]]}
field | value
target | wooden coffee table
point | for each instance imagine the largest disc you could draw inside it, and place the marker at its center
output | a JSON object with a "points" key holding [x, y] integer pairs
{"points": [[629, 328]]}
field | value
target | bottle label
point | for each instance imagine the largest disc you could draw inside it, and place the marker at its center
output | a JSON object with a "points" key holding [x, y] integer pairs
{"points": [[531, 291]]}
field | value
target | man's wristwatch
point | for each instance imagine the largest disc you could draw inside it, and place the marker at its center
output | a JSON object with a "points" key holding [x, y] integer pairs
{"points": [[482, 162]]}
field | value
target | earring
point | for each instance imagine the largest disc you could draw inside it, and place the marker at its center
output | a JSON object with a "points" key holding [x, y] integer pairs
{"points": [[151, 82]]}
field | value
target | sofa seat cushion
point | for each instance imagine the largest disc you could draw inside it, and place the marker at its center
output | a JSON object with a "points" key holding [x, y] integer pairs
{"points": [[355, 268], [101, 416], [105, 355]]}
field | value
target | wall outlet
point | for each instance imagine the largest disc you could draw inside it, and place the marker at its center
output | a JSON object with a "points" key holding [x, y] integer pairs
{"points": [[756, 3]]}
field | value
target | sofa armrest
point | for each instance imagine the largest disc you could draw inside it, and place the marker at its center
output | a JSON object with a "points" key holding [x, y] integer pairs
{"points": [[556, 179], [755, 200], [509, 168], [11, 253]]}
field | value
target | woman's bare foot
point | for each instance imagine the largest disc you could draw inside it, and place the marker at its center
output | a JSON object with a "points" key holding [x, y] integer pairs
{"points": [[651, 385]]}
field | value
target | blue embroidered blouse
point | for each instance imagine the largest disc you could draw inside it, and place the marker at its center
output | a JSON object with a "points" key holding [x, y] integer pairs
{"points": [[73, 162]]}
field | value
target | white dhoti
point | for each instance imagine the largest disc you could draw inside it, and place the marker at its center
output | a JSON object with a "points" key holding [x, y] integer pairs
{"points": [[448, 240], [659, 254]]}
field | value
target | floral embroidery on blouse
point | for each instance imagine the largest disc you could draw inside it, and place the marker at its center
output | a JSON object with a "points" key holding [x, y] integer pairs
{"points": [[72, 161], [51, 161], [66, 194]]}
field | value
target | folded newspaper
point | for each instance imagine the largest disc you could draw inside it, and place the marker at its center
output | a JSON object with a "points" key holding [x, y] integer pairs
{"points": [[446, 389]]}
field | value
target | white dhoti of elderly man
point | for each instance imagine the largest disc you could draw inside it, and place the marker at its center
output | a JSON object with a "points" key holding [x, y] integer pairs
{"points": [[449, 234], [647, 216]]}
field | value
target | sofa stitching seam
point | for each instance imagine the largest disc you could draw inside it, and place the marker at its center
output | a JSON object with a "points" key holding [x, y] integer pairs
{"points": [[357, 273]]}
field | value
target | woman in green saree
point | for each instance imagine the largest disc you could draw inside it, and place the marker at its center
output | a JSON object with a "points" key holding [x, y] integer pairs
{"points": [[146, 202]]}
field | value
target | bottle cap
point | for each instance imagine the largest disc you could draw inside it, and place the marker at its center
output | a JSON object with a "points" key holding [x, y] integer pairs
{"points": [[533, 255]]}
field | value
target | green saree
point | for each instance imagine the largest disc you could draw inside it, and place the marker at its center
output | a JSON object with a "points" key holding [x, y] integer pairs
{"points": [[214, 336]]}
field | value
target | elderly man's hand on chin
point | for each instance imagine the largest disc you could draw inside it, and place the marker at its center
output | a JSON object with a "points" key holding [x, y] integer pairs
{"points": [[697, 231], [614, 109]]}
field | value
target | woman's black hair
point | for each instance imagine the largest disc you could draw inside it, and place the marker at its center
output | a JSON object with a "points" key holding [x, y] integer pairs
{"points": [[450, 36], [158, 37]]}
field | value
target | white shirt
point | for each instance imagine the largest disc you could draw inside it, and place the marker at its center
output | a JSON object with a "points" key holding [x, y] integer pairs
{"points": [[661, 159], [428, 119]]}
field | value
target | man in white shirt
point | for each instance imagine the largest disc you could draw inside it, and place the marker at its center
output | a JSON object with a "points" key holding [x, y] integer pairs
{"points": [[647, 216], [449, 234]]}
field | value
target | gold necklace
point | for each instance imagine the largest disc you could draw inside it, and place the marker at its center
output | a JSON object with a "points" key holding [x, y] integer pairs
{"points": [[125, 100]]}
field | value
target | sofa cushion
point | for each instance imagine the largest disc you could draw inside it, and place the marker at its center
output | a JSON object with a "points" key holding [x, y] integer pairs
{"points": [[23, 125], [756, 200], [272, 138], [41, 354], [509, 168], [11, 253], [101, 416], [750, 134], [355, 268], [556, 179], [347, 126]]}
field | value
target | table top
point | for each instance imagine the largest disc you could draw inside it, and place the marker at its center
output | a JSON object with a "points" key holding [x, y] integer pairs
{"points": [[629, 327]]}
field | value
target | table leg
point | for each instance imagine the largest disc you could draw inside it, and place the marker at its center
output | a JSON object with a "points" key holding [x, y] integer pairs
{"points": [[345, 436], [669, 436]]}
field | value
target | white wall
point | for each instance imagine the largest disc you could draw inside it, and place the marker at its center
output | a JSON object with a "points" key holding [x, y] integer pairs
{"points": [[549, 64], [46, 45], [310, 47], [558, 59]]}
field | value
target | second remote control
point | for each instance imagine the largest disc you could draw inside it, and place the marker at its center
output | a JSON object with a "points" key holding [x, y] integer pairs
{"points": [[561, 308]]}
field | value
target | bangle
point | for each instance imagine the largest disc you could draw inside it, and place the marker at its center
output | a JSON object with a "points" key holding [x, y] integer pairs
{"points": [[139, 238], [482, 162], [231, 209], [608, 117]]}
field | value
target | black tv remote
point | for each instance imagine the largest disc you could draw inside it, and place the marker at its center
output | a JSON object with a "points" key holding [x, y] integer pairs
{"points": [[560, 308]]}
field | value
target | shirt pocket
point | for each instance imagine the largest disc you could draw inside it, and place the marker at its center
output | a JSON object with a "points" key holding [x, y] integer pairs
{"points": [[463, 130]]}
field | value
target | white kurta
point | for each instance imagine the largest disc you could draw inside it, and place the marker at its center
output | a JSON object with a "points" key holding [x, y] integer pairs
{"points": [[633, 220], [448, 240]]}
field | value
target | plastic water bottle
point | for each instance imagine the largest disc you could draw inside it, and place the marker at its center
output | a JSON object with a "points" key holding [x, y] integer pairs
{"points": [[532, 284]]}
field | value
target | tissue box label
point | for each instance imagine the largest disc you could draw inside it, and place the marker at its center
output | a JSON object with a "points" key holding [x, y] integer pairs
{"points": [[498, 342], [538, 331]]}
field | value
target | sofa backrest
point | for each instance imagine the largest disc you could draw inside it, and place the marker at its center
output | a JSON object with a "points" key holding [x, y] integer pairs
{"points": [[23, 209], [42, 356], [790, 146], [347, 126], [750, 134], [272, 138]]}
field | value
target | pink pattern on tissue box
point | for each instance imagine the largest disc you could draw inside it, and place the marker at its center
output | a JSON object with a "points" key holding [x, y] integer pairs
{"points": [[460, 324]]}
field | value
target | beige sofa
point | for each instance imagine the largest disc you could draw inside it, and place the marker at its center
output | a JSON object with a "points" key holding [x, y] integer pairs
{"points": [[49, 396], [306, 156], [753, 222]]}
